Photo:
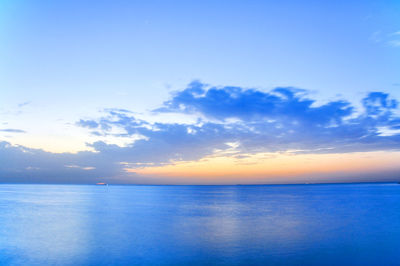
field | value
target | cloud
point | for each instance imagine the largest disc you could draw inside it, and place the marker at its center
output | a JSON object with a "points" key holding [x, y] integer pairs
{"points": [[280, 120], [285, 119], [277, 121], [394, 43], [391, 39], [254, 105], [21, 164], [12, 130], [24, 104], [88, 168], [87, 123]]}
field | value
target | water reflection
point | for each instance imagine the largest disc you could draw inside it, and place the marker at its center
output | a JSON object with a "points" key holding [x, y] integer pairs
{"points": [[43, 224], [124, 225]]}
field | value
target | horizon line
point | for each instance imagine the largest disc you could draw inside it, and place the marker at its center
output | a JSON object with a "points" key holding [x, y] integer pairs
{"points": [[264, 184]]}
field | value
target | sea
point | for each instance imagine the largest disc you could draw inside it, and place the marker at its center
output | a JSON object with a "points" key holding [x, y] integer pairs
{"points": [[325, 224]]}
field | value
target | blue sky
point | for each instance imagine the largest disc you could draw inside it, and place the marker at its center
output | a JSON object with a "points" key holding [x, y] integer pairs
{"points": [[67, 63]]}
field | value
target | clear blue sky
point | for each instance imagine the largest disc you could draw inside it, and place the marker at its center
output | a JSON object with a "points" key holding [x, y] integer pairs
{"points": [[63, 61]]}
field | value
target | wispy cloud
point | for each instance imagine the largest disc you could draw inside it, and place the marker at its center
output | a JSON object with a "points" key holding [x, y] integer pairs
{"points": [[394, 39], [394, 43], [87, 168], [376, 36], [12, 130], [391, 39], [24, 104]]}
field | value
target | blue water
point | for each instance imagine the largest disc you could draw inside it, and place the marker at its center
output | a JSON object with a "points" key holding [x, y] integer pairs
{"points": [[356, 224]]}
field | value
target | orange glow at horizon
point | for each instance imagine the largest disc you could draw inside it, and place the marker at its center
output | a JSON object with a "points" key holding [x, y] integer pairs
{"points": [[267, 166]]}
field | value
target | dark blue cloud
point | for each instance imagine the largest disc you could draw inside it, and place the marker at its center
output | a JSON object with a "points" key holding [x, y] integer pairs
{"points": [[378, 103], [87, 123], [253, 105], [285, 118], [280, 120]]}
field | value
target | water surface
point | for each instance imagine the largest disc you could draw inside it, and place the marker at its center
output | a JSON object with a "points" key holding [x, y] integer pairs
{"points": [[340, 224]]}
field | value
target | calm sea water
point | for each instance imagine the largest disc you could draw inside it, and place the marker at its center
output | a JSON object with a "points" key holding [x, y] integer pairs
{"points": [[357, 224]]}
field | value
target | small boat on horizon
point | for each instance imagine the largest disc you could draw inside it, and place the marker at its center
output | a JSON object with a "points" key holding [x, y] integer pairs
{"points": [[101, 184]]}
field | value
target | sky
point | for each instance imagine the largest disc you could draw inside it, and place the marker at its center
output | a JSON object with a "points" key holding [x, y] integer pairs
{"points": [[206, 92]]}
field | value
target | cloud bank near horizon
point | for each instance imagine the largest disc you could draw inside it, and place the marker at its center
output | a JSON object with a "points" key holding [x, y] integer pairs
{"points": [[244, 121]]}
